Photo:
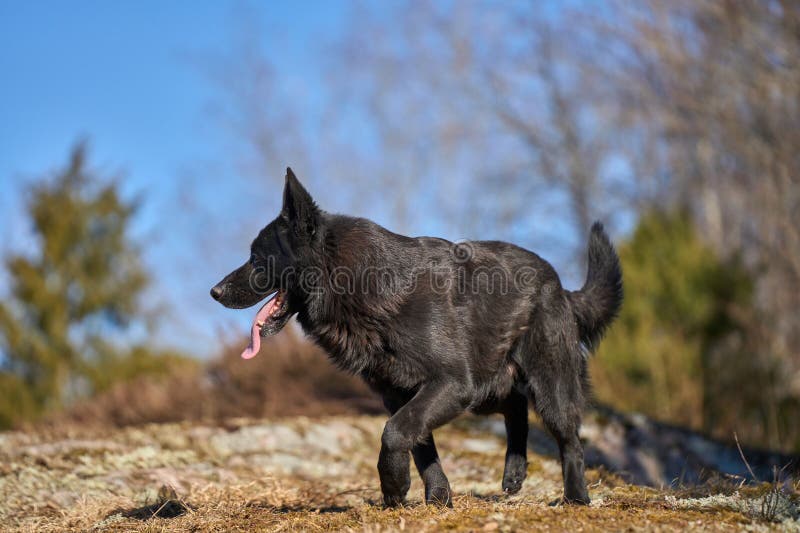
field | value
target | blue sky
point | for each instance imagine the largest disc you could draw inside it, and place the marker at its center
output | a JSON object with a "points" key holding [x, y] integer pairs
{"points": [[128, 76]]}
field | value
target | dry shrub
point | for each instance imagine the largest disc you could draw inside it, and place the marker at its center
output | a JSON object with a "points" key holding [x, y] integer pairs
{"points": [[290, 377], [176, 395]]}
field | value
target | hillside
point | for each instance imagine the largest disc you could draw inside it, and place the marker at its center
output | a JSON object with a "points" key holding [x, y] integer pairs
{"points": [[319, 474]]}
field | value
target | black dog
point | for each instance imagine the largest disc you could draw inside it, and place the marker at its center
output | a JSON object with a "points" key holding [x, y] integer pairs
{"points": [[436, 328]]}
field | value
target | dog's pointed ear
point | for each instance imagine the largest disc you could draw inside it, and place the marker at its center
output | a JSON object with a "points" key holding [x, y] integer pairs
{"points": [[298, 207]]}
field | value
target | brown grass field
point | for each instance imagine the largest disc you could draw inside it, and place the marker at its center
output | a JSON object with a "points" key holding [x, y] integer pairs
{"points": [[318, 474]]}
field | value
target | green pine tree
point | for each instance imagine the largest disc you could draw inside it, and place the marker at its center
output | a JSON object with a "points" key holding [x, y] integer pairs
{"points": [[678, 337], [72, 302]]}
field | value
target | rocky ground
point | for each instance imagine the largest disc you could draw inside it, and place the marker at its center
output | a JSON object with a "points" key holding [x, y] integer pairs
{"points": [[304, 474]]}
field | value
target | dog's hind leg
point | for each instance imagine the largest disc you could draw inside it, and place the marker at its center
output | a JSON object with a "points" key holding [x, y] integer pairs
{"points": [[515, 412], [557, 402], [433, 405], [555, 380], [426, 458]]}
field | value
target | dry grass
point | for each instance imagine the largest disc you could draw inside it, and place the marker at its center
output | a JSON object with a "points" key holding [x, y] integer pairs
{"points": [[304, 474], [290, 377]]}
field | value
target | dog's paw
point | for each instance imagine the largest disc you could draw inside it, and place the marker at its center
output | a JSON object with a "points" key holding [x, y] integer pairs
{"points": [[394, 487], [439, 495], [512, 485], [578, 499], [393, 500], [514, 474]]}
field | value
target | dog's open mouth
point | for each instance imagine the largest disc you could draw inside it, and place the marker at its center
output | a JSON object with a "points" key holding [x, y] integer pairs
{"points": [[269, 320]]}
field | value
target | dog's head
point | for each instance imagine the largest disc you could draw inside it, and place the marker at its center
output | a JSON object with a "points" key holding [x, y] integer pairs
{"points": [[277, 257]]}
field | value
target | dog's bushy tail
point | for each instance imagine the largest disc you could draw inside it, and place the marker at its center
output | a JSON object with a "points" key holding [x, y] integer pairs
{"points": [[597, 303]]}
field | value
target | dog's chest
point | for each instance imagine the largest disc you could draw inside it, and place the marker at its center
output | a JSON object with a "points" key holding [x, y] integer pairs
{"points": [[365, 352], [352, 345]]}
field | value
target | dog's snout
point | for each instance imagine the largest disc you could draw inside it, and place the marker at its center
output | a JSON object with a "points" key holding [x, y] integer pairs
{"points": [[216, 292]]}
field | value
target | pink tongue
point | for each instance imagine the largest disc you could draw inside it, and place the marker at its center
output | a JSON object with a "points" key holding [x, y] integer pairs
{"points": [[255, 332]]}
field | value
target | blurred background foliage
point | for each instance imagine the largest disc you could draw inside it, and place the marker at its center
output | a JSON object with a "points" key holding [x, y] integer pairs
{"points": [[682, 303], [72, 304], [676, 123]]}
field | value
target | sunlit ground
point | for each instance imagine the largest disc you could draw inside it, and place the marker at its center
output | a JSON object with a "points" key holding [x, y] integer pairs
{"points": [[305, 474]]}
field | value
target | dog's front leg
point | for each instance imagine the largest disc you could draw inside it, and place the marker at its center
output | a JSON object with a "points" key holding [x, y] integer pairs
{"points": [[433, 405], [437, 487]]}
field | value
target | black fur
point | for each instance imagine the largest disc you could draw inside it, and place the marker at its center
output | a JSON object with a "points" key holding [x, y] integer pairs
{"points": [[438, 329]]}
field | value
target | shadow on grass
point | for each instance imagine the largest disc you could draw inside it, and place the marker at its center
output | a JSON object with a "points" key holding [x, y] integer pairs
{"points": [[488, 498], [317, 509], [167, 505]]}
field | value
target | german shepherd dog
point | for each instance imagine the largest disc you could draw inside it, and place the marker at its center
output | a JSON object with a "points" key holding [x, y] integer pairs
{"points": [[436, 328]]}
